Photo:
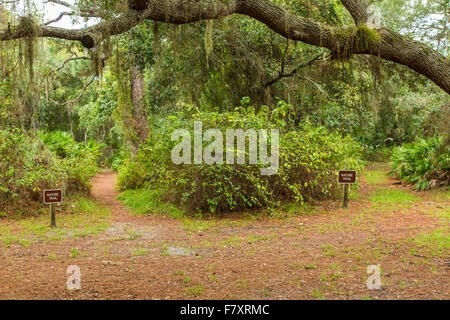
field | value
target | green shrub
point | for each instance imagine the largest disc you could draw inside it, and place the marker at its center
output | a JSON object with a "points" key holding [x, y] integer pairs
{"points": [[382, 154], [79, 161], [30, 164], [424, 163], [118, 158], [26, 167], [144, 201], [309, 160]]}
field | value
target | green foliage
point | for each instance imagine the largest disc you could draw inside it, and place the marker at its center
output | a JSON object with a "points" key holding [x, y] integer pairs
{"points": [[382, 154], [432, 15], [147, 201], [392, 196], [309, 160], [96, 119], [379, 103], [438, 240], [366, 38], [79, 161], [424, 163], [26, 167], [118, 158], [376, 177], [138, 43]]}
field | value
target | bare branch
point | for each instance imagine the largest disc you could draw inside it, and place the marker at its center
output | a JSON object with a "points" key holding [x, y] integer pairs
{"points": [[10, 70], [294, 71], [59, 17], [318, 87], [68, 60], [85, 12], [81, 94]]}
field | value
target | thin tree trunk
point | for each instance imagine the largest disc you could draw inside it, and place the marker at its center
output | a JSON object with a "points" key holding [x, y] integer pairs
{"points": [[137, 96]]}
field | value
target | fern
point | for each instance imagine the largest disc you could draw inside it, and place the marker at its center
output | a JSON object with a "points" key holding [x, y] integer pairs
{"points": [[423, 161]]}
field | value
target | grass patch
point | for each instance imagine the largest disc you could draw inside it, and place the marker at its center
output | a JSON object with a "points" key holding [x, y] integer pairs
{"points": [[392, 196], [86, 218], [139, 252], [52, 256], [256, 237], [317, 293], [376, 177], [440, 195], [74, 253], [197, 290], [234, 241], [187, 279], [438, 240], [146, 201], [290, 209]]}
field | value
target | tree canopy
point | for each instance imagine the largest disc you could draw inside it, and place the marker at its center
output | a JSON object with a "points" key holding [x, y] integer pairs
{"points": [[342, 42]]}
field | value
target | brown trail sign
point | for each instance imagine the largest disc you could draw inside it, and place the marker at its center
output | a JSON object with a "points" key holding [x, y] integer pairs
{"points": [[346, 177], [51, 197]]}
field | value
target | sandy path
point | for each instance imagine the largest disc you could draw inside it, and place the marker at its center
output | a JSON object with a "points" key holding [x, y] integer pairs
{"points": [[309, 256], [104, 191], [104, 187]]}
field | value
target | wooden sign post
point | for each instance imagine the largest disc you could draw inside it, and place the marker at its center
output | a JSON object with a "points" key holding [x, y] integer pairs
{"points": [[346, 177], [51, 197]]}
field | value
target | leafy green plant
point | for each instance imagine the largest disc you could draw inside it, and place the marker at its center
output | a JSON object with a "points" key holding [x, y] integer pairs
{"points": [[26, 167], [79, 161], [146, 201], [424, 163], [309, 160]]}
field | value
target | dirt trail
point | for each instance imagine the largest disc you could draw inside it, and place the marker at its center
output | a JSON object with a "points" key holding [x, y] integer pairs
{"points": [[312, 255], [104, 190], [104, 187]]}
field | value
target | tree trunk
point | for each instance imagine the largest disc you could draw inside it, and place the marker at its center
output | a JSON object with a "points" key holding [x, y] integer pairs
{"points": [[137, 97]]}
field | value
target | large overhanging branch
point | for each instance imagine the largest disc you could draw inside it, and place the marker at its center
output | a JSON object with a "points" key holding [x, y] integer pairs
{"points": [[357, 9], [384, 43]]}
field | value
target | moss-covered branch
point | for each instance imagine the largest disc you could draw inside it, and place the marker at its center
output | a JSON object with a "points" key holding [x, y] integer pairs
{"points": [[362, 40]]}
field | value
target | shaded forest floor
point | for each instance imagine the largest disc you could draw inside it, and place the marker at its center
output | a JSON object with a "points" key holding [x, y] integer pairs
{"points": [[320, 253]]}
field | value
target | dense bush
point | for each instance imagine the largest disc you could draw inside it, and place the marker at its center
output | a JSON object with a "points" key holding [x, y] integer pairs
{"points": [[382, 154], [26, 167], [79, 161], [309, 160], [30, 164], [117, 159], [424, 163]]}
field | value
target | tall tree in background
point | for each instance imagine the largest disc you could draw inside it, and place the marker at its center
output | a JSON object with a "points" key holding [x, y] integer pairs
{"points": [[138, 44], [137, 97]]}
